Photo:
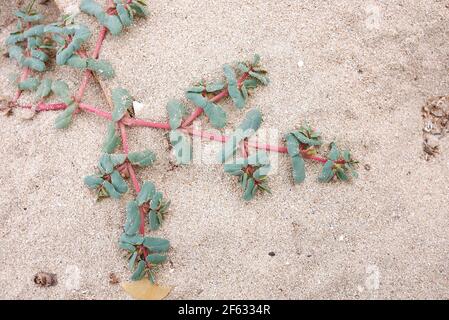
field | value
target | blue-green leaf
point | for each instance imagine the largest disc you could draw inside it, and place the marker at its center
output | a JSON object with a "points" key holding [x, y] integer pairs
{"points": [[250, 124], [327, 173], [334, 154], [112, 140], [118, 182], [215, 113], [146, 193], [175, 110], [124, 15], [101, 67], [132, 261], [122, 101], [155, 258], [60, 88], [76, 61], [142, 159], [29, 84], [44, 89], [93, 182], [139, 272], [106, 166], [133, 221], [154, 220], [156, 244], [65, 117], [111, 190], [233, 89]]}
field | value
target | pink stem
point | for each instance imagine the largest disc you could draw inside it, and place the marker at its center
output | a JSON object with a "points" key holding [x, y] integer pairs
{"points": [[98, 112], [223, 94], [133, 122]]}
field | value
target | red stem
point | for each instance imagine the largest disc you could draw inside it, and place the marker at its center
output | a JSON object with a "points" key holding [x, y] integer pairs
{"points": [[223, 94]]}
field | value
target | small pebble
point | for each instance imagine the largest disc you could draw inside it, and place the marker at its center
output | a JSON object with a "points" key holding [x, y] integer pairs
{"points": [[271, 254], [367, 167]]}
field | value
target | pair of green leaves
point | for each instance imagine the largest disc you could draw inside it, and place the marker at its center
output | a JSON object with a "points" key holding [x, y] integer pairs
{"points": [[252, 173], [115, 23], [139, 264], [302, 139], [182, 147], [16, 53], [247, 128], [109, 183], [101, 67], [153, 200], [217, 116], [339, 164]]}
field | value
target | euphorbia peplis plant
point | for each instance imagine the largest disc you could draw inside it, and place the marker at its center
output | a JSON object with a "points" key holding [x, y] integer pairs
{"points": [[31, 46]]}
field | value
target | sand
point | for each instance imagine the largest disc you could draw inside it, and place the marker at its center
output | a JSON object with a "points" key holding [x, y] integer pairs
{"points": [[360, 72]]}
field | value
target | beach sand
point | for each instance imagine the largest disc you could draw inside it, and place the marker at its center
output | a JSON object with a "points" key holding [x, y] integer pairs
{"points": [[360, 72]]}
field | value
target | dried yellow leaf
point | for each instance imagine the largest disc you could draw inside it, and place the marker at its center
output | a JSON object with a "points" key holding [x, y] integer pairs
{"points": [[145, 290]]}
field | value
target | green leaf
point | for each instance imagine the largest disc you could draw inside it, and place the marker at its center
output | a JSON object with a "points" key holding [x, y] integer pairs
{"points": [[29, 84], [113, 23], [299, 171], [91, 7], [138, 9], [233, 89], [44, 88], [117, 159], [60, 88], [214, 87], [133, 221], [111, 190], [122, 101], [264, 80], [106, 166], [305, 140], [118, 182], [124, 15], [34, 64], [16, 53], [156, 258], [146, 193], [93, 182], [250, 124], [142, 159], [327, 173], [37, 30], [127, 246], [334, 154], [154, 220], [156, 244], [132, 261], [65, 117], [134, 240], [38, 54], [76, 61], [215, 113], [182, 148], [342, 175], [249, 190], [292, 145], [101, 67], [112, 140], [156, 201], [256, 59], [175, 111], [139, 272]]}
